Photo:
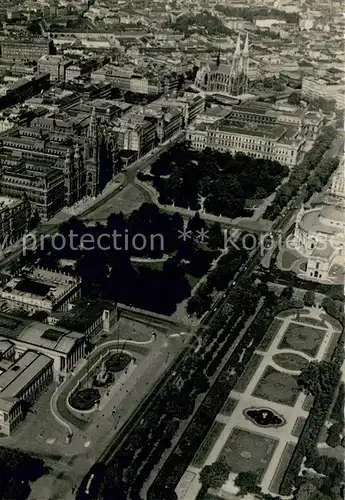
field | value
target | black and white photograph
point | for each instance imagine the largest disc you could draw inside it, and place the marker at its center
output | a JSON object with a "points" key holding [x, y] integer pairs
{"points": [[172, 249]]}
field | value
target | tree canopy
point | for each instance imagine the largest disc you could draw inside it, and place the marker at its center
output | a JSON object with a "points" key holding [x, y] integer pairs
{"points": [[214, 475], [225, 181]]}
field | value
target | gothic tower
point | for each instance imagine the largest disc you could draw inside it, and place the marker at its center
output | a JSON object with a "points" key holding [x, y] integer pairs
{"points": [[238, 82], [91, 156], [235, 68], [68, 177], [245, 65]]}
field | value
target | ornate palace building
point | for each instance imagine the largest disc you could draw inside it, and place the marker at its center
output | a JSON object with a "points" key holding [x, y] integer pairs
{"points": [[14, 217], [55, 165], [229, 78], [320, 235]]}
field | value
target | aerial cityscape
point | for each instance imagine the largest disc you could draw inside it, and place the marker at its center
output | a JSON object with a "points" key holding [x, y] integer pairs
{"points": [[172, 250]]}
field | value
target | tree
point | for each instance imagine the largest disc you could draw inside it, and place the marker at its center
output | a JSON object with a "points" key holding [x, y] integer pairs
{"points": [[334, 435], [196, 224], [215, 236], [324, 464], [215, 475], [247, 482], [319, 377], [294, 98], [334, 308], [309, 298], [198, 305], [287, 293]]}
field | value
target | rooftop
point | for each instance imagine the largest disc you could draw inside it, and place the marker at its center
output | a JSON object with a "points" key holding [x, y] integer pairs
{"points": [[83, 314], [273, 132], [6, 202], [217, 111], [311, 222], [42, 284], [20, 374], [54, 339]]}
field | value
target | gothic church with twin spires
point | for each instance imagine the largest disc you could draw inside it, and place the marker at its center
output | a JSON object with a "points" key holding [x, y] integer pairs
{"points": [[230, 77]]}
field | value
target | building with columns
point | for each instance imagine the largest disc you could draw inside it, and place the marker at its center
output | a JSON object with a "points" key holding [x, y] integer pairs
{"points": [[64, 347], [41, 290], [274, 142], [21, 382], [319, 235]]}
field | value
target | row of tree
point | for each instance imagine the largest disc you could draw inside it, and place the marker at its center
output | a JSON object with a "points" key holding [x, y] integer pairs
{"points": [[321, 380], [161, 421], [244, 298], [312, 173]]}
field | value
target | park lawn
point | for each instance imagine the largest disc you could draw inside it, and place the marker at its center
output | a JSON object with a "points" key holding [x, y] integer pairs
{"points": [[281, 468], [153, 265], [303, 338], [288, 259], [248, 451], [229, 407], [308, 403], [277, 387], [290, 361], [298, 427]]}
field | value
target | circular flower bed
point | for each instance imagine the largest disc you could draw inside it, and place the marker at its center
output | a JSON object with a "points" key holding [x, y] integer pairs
{"points": [[118, 362], [85, 399]]}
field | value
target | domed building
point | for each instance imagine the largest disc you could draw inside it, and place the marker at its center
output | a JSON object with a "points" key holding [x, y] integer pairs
{"points": [[230, 77], [320, 235]]}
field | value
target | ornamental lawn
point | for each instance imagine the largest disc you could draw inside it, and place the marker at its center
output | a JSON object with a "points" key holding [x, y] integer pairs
{"points": [[277, 387], [248, 451], [302, 338]]}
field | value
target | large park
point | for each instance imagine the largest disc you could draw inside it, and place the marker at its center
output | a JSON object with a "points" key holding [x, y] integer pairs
{"points": [[253, 438]]}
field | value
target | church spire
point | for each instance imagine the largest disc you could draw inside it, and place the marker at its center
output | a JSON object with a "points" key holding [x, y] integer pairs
{"points": [[92, 126], [245, 52]]}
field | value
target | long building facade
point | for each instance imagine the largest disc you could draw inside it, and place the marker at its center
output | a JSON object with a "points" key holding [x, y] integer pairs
{"points": [[259, 130], [53, 169]]}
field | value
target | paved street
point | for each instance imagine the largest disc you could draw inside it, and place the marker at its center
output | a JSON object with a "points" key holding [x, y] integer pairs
{"points": [[89, 442]]}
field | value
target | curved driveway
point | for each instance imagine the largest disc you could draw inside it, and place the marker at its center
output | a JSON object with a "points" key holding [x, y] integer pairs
{"points": [[58, 402]]}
